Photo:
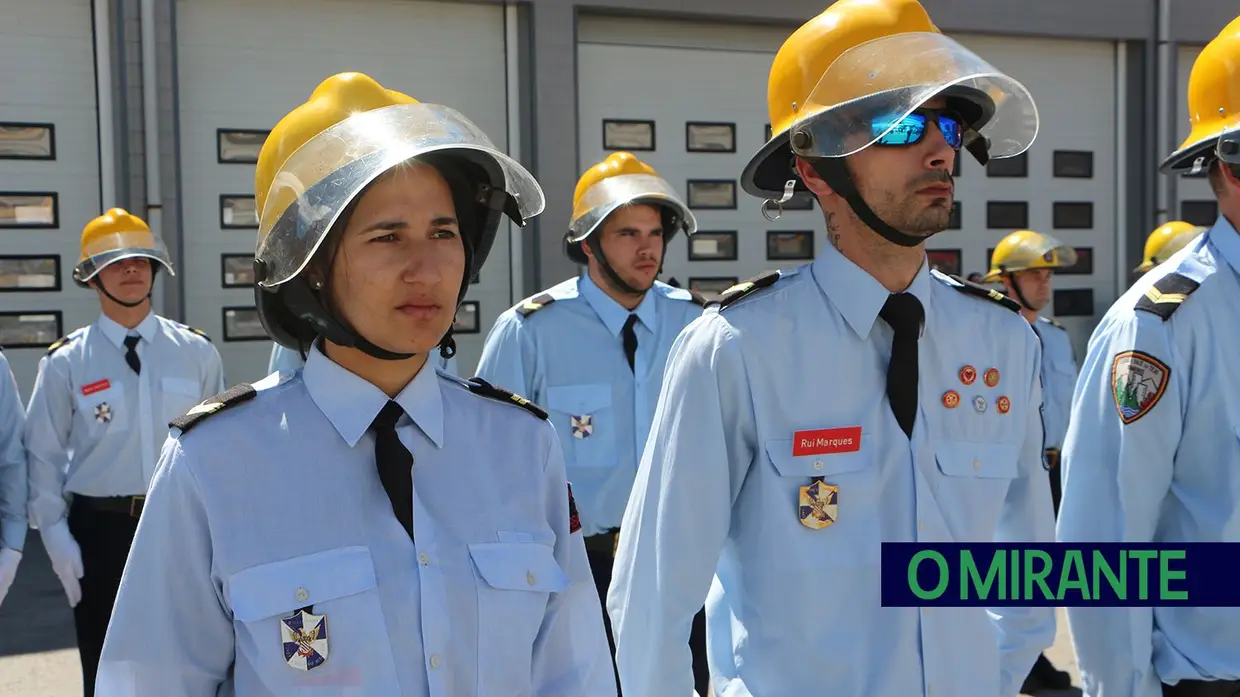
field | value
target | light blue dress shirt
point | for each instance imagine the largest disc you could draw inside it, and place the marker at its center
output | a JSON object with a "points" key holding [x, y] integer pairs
{"points": [[13, 485], [795, 610], [88, 401], [283, 358], [1171, 474], [568, 357], [1058, 380], [275, 505]]}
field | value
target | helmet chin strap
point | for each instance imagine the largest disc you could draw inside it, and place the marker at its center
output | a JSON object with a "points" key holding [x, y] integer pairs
{"points": [[834, 171], [98, 283], [612, 277], [1020, 295]]}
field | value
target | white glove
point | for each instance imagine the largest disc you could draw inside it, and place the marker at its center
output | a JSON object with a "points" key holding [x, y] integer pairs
{"points": [[8, 570], [66, 559]]}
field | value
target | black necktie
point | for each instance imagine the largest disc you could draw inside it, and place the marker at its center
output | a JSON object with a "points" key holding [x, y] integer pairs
{"points": [[131, 353], [904, 313], [630, 340], [395, 464]]}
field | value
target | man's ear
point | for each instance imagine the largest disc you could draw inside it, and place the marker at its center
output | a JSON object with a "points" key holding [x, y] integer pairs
{"points": [[816, 184]]}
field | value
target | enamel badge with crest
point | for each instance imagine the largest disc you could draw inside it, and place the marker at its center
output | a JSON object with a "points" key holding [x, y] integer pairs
{"points": [[305, 640], [103, 412], [583, 425], [819, 505]]}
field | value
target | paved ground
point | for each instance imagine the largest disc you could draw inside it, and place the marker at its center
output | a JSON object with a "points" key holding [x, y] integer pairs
{"points": [[38, 658]]}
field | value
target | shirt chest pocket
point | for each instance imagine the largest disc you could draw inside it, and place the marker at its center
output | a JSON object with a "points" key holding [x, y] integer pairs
{"points": [[312, 618], [177, 396], [585, 419], [973, 483], [831, 502], [101, 408], [515, 583]]}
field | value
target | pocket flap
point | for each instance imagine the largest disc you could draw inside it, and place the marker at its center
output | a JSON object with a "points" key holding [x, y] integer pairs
{"points": [[579, 400], [181, 386], [518, 566], [789, 465], [281, 587], [963, 459]]}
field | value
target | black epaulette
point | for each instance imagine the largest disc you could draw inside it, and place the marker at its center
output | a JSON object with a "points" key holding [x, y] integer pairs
{"points": [[1055, 323], [214, 405], [697, 298], [533, 305], [60, 343], [990, 294], [481, 387], [197, 331], [744, 288], [1167, 294]]}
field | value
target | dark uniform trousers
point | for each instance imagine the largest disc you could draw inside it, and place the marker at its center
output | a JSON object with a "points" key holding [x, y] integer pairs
{"points": [[1052, 465], [104, 529], [601, 549]]}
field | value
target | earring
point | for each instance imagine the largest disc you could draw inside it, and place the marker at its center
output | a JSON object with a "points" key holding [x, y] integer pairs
{"points": [[317, 285]]}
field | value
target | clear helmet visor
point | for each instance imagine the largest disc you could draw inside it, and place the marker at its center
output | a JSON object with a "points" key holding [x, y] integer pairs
{"points": [[321, 178], [1229, 146], [1040, 252], [107, 249], [870, 88], [602, 199]]}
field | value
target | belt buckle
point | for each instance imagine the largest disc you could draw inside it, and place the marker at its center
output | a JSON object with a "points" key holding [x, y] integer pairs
{"points": [[1052, 458], [135, 506]]}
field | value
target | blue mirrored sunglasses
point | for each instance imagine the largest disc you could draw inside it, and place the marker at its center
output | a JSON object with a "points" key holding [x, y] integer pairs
{"points": [[912, 128]]}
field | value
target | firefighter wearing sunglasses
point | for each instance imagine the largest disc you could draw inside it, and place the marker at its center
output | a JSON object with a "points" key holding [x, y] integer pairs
{"points": [[813, 414]]}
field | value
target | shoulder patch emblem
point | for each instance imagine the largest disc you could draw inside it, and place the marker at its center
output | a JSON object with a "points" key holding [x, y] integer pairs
{"points": [[213, 405], [481, 387], [745, 288], [983, 292], [60, 343], [1138, 381], [574, 520], [534, 304], [1167, 294]]}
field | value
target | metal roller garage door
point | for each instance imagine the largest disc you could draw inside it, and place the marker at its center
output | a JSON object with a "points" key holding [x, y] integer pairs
{"points": [[243, 65], [49, 174], [691, 100]]}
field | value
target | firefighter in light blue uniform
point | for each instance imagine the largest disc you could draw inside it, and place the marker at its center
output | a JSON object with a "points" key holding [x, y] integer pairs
{"points": [[366, 525], [13, 486], [778, 463], [1153, 451], [287, 359], [567, 348]]}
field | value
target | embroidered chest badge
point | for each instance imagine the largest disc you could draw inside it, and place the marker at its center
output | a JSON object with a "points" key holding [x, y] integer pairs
{"points": [[819, 504], [583, 425], [305, 640], [103, 412], [1138, 381]]}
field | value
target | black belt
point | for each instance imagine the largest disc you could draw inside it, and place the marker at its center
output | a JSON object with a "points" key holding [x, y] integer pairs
{"points": [[1203, 688], [604, 542], [129, 505], [1052, 458]]}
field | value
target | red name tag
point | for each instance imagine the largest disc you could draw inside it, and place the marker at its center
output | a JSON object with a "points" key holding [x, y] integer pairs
{"points": [[97, 386], [825, 441]]}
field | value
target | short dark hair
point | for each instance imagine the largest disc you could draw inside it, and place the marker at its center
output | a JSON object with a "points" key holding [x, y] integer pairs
{"points": [[1216, 175]]}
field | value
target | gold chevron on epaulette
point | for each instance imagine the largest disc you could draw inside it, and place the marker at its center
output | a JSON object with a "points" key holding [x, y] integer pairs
{"points": [[534, 304], [1167, 294]]}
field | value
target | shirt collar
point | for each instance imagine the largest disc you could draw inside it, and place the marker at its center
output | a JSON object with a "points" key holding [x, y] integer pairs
{"points": [[351, 403], [857, 295], [1227, 241], [612, 313], [117, 333]]}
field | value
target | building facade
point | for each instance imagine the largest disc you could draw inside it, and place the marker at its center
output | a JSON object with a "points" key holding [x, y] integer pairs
{"points": [[160, 106]]}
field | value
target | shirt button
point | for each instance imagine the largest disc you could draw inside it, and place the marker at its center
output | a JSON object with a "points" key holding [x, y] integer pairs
{"points": [[435, 661], [302, 595], [529, 577], [977, 464], [817, 464], [423, 559], [921, 527]]}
